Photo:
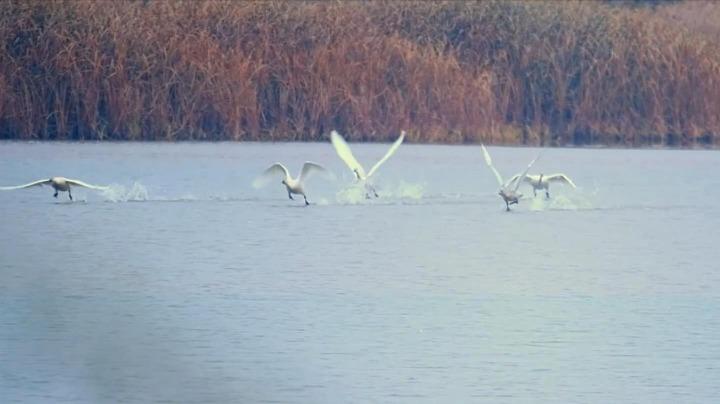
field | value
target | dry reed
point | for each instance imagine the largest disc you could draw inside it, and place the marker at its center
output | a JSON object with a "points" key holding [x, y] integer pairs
{"points": [[552, 73]]}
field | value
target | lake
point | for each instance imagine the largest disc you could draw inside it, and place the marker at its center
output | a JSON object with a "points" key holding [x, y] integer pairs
{"points": [[183, 283]]}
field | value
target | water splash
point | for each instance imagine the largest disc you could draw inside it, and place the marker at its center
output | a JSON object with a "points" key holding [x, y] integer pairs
{"points": [[560, 202], [356, 193], [406, 190], [119, 193], [351, 195]]}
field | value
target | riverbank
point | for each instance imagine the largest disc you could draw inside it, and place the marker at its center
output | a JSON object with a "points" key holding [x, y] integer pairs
{"points": [[552, 73]]}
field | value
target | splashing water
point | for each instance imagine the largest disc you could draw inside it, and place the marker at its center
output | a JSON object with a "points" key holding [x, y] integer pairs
{"points": [[356, 193], [118, 193], [351, 195], [560, 202], [407, 190]]}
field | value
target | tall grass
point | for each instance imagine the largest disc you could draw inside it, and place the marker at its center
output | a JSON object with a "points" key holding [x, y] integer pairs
{"points": [[498, 71]]}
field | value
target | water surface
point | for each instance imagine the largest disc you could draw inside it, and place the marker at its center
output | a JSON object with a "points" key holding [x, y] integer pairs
{"points": [[183, 283]]}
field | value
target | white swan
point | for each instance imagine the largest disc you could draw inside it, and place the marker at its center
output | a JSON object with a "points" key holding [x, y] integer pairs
{"points": [[343, 150], [543, 181], [293, 186], [508, 191], [58, 183]]}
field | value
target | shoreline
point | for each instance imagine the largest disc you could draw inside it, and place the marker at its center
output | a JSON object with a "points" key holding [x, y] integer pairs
{"points": [[697, 147]]}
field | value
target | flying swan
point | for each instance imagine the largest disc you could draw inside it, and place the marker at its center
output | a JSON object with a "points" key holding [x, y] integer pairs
{"points": [[293, 186], [542, 181], [508, 191], [343, 150], [58, 183]]}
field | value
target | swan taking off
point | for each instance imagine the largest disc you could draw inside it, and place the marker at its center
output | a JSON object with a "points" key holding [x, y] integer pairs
{"points": [[59, 184], [508, 190], [543, 182], [293, 186], [343, 150]]}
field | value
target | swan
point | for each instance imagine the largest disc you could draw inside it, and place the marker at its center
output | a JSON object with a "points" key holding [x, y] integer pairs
{"points": [[508, 190], [343, 150], [59, 184], [293, 186], [543, 181]]}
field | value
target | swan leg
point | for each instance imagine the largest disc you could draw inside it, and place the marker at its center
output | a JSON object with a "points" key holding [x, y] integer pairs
{"points": [[55, 194], [306, 201], [547, 193], [290, 196], [507, 206], [534, 191], [70, 194]]}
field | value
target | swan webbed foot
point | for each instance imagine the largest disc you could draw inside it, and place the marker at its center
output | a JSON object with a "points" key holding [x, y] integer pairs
{"points": [[55, 194], [290, 196]]}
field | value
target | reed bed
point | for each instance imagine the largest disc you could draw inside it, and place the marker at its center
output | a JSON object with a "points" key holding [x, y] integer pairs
{"points": [[550, 73]]}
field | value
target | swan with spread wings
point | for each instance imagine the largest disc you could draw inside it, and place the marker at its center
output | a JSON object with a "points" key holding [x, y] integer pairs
{"points": [[508, 190], [294, 186], [59, 184], [542, 181], [343, 150]]}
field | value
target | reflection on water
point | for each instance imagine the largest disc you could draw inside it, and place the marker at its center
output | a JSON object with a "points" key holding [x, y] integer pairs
{"points": [[207, 290]]}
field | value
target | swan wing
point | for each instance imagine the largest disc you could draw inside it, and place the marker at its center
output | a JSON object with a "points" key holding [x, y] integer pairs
{"points": [[389, 153], [343, 150], [308, 168], [270, 172], [488, 161], [530, 179], [560, 178], [515, 178], [31, 184], [79, 183], [523, 175]]}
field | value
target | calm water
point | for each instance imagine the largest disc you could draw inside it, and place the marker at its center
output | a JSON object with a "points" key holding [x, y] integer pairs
{"points": [[183, 283]]}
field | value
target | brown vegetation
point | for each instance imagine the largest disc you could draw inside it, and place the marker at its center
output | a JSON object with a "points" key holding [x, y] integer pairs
{"points": [[499, 71]]}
